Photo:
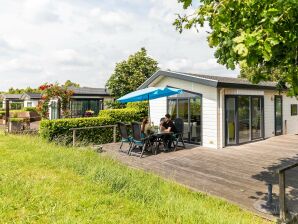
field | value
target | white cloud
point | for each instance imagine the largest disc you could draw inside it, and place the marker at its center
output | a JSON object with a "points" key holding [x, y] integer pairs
{"points": [[39, 11], [47, 40], [70, 57]]}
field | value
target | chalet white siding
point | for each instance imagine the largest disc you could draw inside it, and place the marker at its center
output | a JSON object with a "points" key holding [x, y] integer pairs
{"points": [[33, 103], [158, 108], [269, 113], [290, 123], [209, 107]]}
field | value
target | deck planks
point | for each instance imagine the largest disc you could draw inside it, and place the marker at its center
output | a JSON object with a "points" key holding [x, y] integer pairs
{"points": [[239, 173]]}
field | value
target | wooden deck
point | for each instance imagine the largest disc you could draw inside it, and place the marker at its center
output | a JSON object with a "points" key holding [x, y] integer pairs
{"points": [[239, 174]]}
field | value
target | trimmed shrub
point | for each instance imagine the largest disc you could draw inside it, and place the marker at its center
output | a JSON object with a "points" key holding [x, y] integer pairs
{"points": [[18, 120], [58, 130], [30, 109], [123, 115]]}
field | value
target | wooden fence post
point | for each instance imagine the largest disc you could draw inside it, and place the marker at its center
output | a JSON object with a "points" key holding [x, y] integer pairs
{"points": [[282, 196], [114, 133], [7, 114], [74, 137]]}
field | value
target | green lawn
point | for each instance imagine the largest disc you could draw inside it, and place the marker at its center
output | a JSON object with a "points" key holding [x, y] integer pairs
{"points": [[44, 183]]}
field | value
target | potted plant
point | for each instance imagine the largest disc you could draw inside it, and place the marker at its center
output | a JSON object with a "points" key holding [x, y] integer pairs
{"points": [[89, 113]]}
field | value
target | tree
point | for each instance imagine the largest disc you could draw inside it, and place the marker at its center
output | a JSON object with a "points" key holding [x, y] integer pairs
{"points": [[131, 73], [21, 91], [259, 35], [69, 83]]}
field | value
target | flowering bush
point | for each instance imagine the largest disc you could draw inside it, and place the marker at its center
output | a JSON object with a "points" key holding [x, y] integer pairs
{"points": [[54, 91]]}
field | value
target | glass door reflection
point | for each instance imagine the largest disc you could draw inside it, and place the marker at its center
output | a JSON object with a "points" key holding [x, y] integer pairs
{"points": [[256, 120], [195, 105], [231, 120], [183, 113], [244, 118]]}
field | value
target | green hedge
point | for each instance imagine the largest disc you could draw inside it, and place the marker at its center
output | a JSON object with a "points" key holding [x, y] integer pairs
{"points": [[30, 109], [58, 130], [123, 115]]}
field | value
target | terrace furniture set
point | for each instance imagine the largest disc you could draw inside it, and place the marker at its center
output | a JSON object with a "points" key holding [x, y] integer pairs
{"points": [[153, 142]]}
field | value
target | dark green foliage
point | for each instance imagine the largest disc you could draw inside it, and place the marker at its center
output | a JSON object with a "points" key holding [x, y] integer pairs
{"points": [[21, 91], [131, 73], [259, 35]]}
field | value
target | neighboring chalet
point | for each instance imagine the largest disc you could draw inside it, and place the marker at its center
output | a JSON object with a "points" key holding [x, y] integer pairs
{"points": [[19, 101], [221, 111], [82, 100]]}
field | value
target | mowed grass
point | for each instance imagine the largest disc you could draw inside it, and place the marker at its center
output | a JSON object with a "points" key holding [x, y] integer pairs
{"points": [[45, 183]]}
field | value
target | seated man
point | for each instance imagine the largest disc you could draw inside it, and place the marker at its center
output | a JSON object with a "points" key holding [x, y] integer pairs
{"points": [[169, 126]]}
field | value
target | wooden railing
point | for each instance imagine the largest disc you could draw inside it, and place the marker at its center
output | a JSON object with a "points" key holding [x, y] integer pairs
{"points": [[282, 191], [74, 131]]}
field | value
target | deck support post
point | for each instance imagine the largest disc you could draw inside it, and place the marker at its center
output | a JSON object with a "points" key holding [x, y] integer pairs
{"points": [[74, 137], [114, 133], [282, 196]]}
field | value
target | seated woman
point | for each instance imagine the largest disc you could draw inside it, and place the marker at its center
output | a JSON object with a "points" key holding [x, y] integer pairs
{"points": [[146, 128], [161, 124]]}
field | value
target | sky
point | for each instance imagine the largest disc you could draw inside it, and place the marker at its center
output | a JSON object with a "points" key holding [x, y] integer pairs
{"points": [[82, 40]]}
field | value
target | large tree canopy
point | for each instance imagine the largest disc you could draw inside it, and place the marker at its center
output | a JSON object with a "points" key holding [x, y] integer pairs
{"points": [[259, 35], [130, 74]]}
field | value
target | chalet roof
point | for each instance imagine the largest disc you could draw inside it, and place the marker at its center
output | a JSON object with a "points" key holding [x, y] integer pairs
{"points": [[32, 95], [209, 80], [89, 91], [7, 96]]}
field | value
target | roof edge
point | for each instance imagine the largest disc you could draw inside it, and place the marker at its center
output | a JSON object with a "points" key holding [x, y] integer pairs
{"points": [[183, 76], [203, 81]]}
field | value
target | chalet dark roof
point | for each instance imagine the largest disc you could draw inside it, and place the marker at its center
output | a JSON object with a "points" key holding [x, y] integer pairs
{"points": [[89, 91], [209, 80], [7, 96], [32, 95]]}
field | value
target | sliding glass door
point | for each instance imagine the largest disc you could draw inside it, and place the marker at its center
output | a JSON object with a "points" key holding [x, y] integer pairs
{"points": [[231, 120], [278, 115], [256, 117], [244, 119], [188, 107]]}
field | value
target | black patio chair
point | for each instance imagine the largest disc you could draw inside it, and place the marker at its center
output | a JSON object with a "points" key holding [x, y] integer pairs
{"points": [[137, 140], [178, 136], [125, 138]]}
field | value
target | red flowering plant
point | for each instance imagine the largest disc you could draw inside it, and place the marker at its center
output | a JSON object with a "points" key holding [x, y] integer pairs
{"points": [[54, 91]]}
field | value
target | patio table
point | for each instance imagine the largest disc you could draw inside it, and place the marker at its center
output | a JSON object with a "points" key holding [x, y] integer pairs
{"points": [[158, 137]]}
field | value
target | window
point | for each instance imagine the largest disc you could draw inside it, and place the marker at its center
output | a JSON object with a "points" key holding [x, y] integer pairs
{"points": [[294, 109], [187, 106], [29, 104]]}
